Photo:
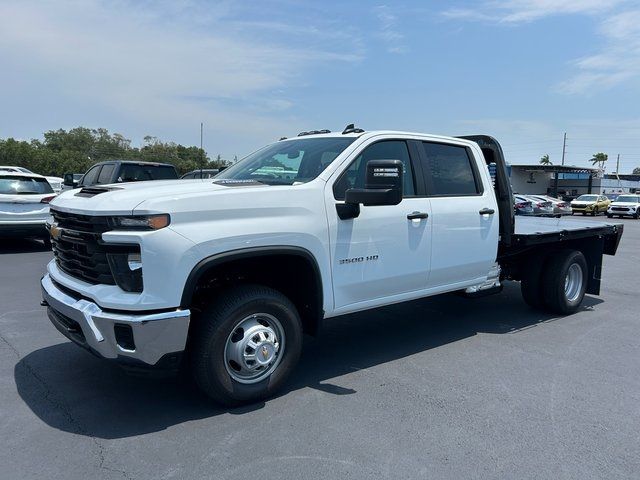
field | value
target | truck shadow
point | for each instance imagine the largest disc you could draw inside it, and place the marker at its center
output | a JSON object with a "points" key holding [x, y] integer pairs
{"points": [[22, 245], [70, 390]]}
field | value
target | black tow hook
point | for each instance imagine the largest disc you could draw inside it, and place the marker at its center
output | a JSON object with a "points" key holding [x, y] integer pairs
{"points": [[44, 303]]}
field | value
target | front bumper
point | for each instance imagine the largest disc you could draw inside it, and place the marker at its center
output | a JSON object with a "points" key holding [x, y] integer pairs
{"points": [[133, 339]]}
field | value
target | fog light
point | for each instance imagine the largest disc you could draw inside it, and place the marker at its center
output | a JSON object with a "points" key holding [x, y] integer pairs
{"points": [[134, 261]]}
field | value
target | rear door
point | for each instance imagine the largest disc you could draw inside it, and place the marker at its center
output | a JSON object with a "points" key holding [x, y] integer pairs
{"points": [[464, 213]]}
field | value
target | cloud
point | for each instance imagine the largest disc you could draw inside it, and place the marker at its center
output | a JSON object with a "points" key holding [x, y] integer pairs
{"points": [[616, 63], [389, 29], [148, 61], [523, 11]]}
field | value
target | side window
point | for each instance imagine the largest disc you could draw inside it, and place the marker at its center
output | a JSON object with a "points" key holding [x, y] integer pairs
{"points": [[449, 170], [354, 175], [91, 176], [106, 173]]}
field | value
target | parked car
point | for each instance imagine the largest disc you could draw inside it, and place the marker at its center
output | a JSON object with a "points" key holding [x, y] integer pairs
{"points": [[560, 207], [24, 205], [612, 196], [123, 171], [541, 208], [204, 173], [522, 206], [625, 205], [591, 204], [228, 275], [55, 182]]}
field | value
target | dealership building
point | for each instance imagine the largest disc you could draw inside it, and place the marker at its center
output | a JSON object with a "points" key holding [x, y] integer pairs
{"points": [[569, 181]]}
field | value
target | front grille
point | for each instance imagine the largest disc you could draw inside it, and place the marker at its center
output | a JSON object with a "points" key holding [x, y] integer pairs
{"points": [[620, 209], [79, 250]]}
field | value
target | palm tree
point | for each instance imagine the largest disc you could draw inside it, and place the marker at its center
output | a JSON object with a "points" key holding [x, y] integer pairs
{"points": [[599, 158], [544, 160]]}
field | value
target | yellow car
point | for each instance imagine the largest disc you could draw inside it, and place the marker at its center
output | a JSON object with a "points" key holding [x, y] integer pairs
{"points": [[592, 204]]}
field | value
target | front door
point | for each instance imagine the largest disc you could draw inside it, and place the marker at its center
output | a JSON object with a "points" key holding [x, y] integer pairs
{"points": [[385, 251]]}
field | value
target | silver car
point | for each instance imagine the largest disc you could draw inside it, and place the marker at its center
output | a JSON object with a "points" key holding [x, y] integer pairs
{"points": [[560, 207], [542, 208]]}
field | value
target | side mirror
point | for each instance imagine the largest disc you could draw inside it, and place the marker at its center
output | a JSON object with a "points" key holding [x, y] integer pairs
{"points": [[69, 181], [383, 186]]}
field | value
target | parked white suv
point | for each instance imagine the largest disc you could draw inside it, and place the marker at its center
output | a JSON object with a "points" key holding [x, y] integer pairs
{"points": [[231, 271], [24, 205], [625, 205]]}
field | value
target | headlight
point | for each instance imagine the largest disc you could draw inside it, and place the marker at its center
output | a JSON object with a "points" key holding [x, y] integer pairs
{"points": [[126, 269], [140, 222]]}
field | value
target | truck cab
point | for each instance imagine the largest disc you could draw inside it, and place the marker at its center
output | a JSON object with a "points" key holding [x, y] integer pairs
{"points": [[231, 271]]}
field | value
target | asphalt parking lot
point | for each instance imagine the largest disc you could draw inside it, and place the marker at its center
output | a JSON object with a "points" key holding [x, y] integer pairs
{"points": [[439, 388]]}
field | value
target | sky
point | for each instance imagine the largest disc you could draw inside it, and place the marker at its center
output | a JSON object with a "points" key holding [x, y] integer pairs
{"points": [[524, 71]]}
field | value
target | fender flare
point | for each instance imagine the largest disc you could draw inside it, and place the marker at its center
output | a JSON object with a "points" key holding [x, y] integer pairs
{"points": [[240, 254]]}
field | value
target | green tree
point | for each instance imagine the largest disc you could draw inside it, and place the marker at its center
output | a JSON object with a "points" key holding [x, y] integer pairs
{"points": [[600, 159], [544, 160], [636, 171]]}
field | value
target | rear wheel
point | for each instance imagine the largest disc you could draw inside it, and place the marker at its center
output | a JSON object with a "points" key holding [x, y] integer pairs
{"points": [[564, 281], [245, 345]]}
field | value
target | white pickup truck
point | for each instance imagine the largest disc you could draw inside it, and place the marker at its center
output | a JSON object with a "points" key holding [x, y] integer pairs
{"points": [[224, 275]]}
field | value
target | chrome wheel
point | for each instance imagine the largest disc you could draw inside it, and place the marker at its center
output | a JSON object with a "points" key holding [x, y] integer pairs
{"points": [[573, 282], [254, 348]]}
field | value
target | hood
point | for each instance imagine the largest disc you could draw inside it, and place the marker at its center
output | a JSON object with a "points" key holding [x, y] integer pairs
{"points": [[124, 198], [624, 204]]}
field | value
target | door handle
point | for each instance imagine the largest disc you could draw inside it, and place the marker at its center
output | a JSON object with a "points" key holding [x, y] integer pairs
{"points": [[487, 211], [417, 215]]}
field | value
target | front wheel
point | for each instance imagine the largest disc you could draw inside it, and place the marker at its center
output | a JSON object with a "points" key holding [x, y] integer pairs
{"points": [[609, 215], [564, 281], [594, 212], [245, 344], [637, 214]]}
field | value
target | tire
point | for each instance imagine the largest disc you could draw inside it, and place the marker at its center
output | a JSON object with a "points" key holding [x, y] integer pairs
{"points": [[609, 215], [531, 283], [584, 213], [213, 336], [594, 212], [637, 214], [559, 298]]}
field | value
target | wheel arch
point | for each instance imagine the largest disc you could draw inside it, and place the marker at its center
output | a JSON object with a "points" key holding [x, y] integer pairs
{"points": [[305, 291]]}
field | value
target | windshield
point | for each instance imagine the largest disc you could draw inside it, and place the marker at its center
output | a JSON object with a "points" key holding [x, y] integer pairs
{"points": [[628, 198], [24, 186], [286, 163], [587, 198]]}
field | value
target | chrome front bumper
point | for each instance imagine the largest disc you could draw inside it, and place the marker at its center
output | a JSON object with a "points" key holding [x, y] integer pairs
{"points": [[142, 339]]}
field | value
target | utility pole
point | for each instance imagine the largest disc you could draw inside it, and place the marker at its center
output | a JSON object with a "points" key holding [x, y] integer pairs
{"points": [[618, 165], [564, 146], [201, 150]]}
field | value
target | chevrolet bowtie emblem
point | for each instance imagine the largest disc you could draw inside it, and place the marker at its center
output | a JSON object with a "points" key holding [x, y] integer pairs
{"points": [[265, 352], [55, 231]]}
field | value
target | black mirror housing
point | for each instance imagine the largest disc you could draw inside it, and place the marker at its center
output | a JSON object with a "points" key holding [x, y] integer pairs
{"points": [[68, 180], [383, 184]]}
